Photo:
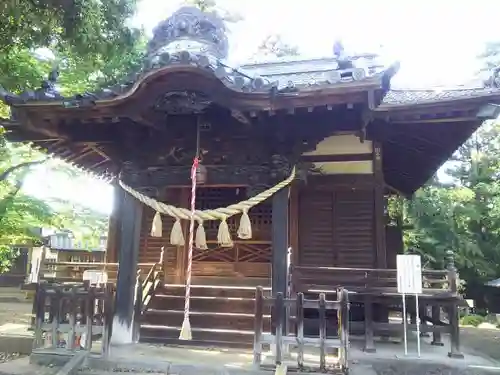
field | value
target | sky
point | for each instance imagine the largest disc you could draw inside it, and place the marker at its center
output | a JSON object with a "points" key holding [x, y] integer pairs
{"points": [[436, 43]]}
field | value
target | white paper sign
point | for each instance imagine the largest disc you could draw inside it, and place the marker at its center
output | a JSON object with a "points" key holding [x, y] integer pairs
{"points": [[95, 277], [409, 273]]}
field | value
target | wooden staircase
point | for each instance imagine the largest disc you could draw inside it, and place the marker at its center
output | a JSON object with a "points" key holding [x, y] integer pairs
{"points": [[220, 315]]}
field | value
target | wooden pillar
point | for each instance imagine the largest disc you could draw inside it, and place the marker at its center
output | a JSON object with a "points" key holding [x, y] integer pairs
{"points": [[294, 224], [280, 241], [369, 342], [279, 269], [453, 308], [128, 239], [436, 318], [380, 243]]}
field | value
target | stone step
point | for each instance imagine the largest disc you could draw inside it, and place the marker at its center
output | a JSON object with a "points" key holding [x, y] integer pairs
{"points": [[200, 336], [204, 304], [212, 290], [232, 321]]}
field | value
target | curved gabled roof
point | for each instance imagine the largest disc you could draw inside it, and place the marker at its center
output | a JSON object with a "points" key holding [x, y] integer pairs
{"points": [[195, 43], [185, 65]]}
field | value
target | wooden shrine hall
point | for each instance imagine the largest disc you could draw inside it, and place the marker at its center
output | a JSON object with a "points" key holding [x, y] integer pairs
{"points": [[295, 161]]}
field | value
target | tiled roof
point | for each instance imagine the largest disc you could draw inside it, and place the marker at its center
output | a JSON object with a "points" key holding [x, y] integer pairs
{"points": [[399, 96]]}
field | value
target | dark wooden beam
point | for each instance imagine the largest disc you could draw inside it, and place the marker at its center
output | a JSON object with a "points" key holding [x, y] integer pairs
{"points": [[130, 213], [434, 120], [336, 158], [255, 176]]}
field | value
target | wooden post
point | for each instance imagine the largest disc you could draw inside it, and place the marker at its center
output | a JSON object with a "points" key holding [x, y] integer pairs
{"points": [[322, 332], [72, 318], [294, 224], [89, 315], [423, 313], [130, 212], [39, 310], [300, 329], [380, 243], [280, 246], [279, 308], [108, 319], [436, 335], [344, 326], [259, 310], [56, 304], [137, 309], [369, 344], [453, 310]]}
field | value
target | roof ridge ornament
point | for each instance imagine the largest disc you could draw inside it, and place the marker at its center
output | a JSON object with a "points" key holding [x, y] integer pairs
{"points": [[190, 29]]}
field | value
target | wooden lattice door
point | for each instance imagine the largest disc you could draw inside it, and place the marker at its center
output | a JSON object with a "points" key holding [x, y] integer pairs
{"points": [[247, 258]]}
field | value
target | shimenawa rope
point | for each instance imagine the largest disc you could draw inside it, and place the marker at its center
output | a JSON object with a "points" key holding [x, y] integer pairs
{"points": [[222, 214]]}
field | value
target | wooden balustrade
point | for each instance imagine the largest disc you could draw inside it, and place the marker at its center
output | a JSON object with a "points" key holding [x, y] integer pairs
{"points": [[71, 317], [366, 280], [289, 314], [373, 289], [151, 282]]}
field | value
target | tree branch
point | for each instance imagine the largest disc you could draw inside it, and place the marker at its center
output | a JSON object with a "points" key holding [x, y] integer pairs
{"points": [[7, 201], [10, 170]]}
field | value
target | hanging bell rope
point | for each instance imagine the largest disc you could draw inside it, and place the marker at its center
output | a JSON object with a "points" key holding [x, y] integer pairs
{"points": [[221, 214], [185, 333]]}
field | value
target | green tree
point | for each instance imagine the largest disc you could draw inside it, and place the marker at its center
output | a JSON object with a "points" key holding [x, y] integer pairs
{"points": [[88, 28], [91, 45], [88, 41], [275, 45], [213, 7], [463, 216]]}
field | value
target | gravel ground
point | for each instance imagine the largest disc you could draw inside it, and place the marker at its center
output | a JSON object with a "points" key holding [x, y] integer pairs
{"points": [[422, 369], [482, 341], [14, 313]]}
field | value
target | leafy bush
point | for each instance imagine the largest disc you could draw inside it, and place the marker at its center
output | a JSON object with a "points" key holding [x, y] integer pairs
{"points": [[472, 320]]}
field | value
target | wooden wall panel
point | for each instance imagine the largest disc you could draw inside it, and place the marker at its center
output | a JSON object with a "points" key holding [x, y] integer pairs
{"points": [[316, 228], [353, 228], [336, 226]]}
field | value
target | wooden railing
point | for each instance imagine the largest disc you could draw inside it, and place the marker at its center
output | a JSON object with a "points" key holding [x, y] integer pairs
{"points": [[70, 317], [286, 310], [306, 279], [71, 272], [378, 287], [151, 282]]}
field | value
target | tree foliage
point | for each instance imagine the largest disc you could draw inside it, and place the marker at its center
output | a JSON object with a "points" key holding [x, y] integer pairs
{"points": [[462, 212], [213, 7], [91, 45], [21, 214], [88, 28], [275, 45], [88, 41], [462, 215]]}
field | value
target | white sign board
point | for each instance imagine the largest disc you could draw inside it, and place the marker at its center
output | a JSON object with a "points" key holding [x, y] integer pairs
{"points": [[409, 273], [95, 277]]}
